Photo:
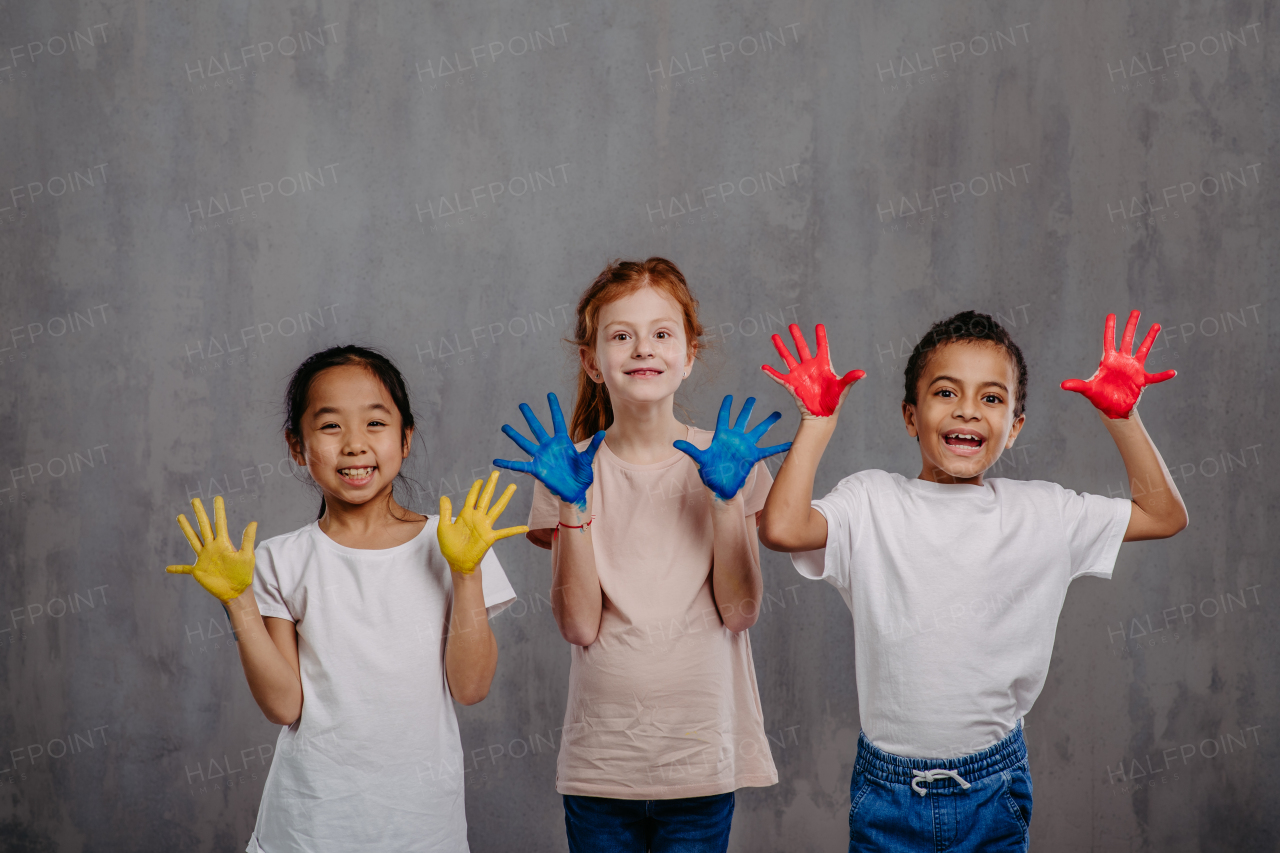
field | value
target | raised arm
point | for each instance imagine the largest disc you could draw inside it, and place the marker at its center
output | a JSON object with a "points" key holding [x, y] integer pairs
{"points": [[268, 651], [471, 651], [1114, 389], [576, 598], [724, 466], [788, 521]]}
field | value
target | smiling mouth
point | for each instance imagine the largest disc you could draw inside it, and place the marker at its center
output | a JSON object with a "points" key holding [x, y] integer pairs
{"points": [[357, 476], [644, 371], [964, 443]]}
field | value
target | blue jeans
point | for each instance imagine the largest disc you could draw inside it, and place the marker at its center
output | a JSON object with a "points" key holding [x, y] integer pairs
{"points": [[687, 825], [888, 813]]}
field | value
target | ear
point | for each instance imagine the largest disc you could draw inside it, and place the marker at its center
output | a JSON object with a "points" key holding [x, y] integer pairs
{"points": [[690, 357], [296, 451], [909, 418], [408, 443], [587, 356], [1017, 428]]}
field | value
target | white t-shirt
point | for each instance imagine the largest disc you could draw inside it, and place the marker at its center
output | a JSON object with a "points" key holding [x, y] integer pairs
{"points": [[955, 592], [375, 761]]}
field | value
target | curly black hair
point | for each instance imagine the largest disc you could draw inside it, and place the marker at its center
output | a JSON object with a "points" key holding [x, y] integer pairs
{"points": [[965, 326]]}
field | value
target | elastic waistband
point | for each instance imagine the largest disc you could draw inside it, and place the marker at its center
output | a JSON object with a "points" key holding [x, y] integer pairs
{"points": [[887, 767]]}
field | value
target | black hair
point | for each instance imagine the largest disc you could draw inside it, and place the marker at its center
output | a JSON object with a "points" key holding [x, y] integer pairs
{"points": [[965, 326], [299, 390]]}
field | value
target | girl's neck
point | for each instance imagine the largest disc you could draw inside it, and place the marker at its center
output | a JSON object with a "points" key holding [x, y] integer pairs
{"points": [[642, 433], [373, 525]]}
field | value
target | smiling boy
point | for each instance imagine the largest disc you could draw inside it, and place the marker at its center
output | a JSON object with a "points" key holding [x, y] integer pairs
{"points": [[955, 580]]}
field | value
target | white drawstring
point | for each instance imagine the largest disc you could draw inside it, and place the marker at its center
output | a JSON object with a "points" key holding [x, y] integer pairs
{"points": [[932, 776]]}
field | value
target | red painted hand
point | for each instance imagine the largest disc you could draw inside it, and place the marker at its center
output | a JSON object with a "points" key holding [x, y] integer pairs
{"points": [[817, 390], [1116, 385]]}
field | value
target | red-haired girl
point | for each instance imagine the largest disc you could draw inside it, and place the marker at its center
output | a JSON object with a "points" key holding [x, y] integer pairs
{"points": [[656, 576]]}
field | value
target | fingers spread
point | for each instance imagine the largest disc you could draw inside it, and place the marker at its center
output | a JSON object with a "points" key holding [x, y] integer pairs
{"points": [[487, 494], [206, 530], [192, 538], [1153, 378], [589, 454], [535, 426], [180, 570], [1077, 385], [502, 503], [1141, 354], [685, 447], [523, 443], [1109, 334], [220, 517], [824, 351], [470, 501], [446, 510], [772, 451], [802, 348], [509, 531], [787, 358], [1130, 329], [250, 534], [775, 375], [726, 407], [744, 416], [763, 427], [557, 416], [514, 465], [852, 376]]}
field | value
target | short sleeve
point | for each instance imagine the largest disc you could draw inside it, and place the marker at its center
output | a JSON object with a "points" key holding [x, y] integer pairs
{"points": [[842, 507], [544, 512], [266, 585], [1094, 528], [756, 490], [498, 593]]}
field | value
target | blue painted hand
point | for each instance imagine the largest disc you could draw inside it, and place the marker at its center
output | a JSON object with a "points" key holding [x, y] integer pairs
{"points": [[724, 465], [556, 462]]}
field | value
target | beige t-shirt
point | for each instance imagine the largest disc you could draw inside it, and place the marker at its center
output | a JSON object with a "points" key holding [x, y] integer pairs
{"points": [[664, 703]]}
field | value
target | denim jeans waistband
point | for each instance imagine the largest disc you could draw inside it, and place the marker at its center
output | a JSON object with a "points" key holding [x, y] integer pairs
{"points": [[997, 758]]}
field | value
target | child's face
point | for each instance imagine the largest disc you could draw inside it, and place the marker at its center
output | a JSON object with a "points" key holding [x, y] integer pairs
{"points": [[641, 351], [350, 439], [963, 414]]}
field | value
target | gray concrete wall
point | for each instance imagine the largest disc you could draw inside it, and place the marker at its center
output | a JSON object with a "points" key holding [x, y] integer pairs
{"points": [[1078, 159]]}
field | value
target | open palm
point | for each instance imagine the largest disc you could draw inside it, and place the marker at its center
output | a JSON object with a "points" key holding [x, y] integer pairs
{"points": [[817, 390], [1114, 388], [219, 567], [555, 461], [724, 465], [464, 541]]}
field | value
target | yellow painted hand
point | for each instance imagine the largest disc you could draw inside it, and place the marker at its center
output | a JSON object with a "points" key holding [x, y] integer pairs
{"points": [[219, 568], [463, 542]]}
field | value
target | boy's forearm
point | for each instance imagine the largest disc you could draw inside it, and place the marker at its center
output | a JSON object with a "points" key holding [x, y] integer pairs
{"points": [[788, 521], [470, 652], [272, 680], [1151, 486], [735, 563]]}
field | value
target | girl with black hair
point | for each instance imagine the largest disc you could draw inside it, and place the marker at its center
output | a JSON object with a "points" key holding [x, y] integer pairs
{"points": [[362, 625]]}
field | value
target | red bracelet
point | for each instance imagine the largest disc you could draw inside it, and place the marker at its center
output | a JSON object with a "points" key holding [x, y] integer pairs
{"points": [[576, 526]]}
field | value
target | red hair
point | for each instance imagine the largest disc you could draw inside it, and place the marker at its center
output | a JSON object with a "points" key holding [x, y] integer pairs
{"points": [[592, 411]]}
